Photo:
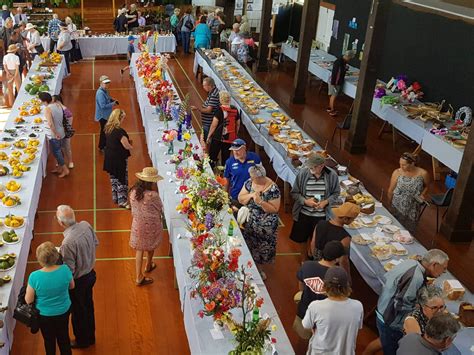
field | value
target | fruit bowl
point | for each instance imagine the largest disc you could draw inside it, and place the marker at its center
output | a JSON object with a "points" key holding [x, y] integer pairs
{"points": [[10, 237], [7, 261], [14, 222], [11, 201]]}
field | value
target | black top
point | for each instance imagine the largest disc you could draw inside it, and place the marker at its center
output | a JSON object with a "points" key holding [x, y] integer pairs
{"points": [[339, 69], [120, 23], [219, 114], [134, 23], [326, 232], [115, 158], [312, 275]]}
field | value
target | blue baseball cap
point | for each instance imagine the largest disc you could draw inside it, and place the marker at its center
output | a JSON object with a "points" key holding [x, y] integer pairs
{"points": [[131, 38], [237, 144]]}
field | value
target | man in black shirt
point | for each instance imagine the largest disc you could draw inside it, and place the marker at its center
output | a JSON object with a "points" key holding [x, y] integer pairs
{"points": [[336, 82], [310, 277]]}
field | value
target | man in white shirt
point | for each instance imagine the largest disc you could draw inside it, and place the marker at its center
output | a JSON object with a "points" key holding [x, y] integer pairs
{"points": [[336, 320], [20, 16]]}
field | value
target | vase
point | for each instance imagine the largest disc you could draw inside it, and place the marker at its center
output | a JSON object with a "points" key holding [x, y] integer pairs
{"points": [[170, 148]]}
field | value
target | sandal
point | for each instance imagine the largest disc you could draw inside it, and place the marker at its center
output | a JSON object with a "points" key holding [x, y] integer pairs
{"points": [[126, 206], [145, 281], [152, 267]]}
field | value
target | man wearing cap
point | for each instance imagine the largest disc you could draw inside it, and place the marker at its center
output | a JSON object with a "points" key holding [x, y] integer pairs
{"points": [[65, 45], [336, 82], [336, 320], [316, 187], [333, 229], [130, 51], [311, 284], [78, 250], [53, 31], [103, 107], [237, 168]]}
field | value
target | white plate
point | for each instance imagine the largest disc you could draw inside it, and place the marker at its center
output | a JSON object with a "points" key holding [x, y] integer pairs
{"points": [[11, 267], [390, 228], [11, 243], [380, 219]]}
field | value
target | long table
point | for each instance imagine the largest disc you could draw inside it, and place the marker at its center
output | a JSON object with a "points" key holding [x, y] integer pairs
{"points": [[197, 329], [92, 47], [396, 116], [29, 194], [370, 268]]}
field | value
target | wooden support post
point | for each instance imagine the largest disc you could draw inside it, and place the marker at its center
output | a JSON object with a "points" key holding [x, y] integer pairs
{"points": [[458, 224], [82, 13], [309, 23], [114, 14], [229, 8], [264, 38], [373, 50]]}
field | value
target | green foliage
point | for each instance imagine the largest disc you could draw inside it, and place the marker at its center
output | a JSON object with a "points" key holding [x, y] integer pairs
{"points": [[73, 3]]}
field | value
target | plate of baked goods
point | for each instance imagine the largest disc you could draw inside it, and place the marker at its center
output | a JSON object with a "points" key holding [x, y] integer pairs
{"points": [[356, 224], [403, 237], [391, 264], [382, 251], [368, 222], [390, 228], [380, 219], [398, 249], [362, 239]]}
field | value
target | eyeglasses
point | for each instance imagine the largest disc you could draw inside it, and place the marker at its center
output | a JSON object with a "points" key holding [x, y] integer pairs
{"points": [[436, 308]]}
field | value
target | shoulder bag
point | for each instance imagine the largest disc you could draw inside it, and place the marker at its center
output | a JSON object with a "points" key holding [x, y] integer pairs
{"points": [[25, 313], [68, 130]]}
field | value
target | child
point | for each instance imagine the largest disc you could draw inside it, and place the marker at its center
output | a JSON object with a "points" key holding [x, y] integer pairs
{"points": [[130, 51]]}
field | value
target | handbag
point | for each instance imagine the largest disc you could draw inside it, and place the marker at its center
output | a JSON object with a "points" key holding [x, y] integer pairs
{"points": [[189, 24], [243, 215], [68, 130], [25, 313]]}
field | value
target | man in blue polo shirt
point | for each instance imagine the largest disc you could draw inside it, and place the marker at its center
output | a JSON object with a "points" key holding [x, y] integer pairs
{"points": [[237, 168]]}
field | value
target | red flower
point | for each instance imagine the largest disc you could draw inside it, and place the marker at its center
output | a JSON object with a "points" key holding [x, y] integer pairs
{"points": [[210, 306], [259, 302], [201, 314], [274, 341]]}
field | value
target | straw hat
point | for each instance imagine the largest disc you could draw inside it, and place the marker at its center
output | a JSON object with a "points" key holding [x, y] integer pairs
{"points": [[29, 26], [149, 174], [12, 48]]}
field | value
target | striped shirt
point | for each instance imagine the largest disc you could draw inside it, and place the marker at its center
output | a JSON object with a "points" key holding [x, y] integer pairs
{"points": [[213, 101], [315, 188]]}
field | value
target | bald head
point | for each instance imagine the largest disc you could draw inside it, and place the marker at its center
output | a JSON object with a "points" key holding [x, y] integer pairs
{"points": [[65, 216]]}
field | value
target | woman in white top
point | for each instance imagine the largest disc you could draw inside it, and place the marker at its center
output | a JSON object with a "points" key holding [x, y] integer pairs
{"points": [[65, 45], [72, 28], [33, 37], [11, 66]]}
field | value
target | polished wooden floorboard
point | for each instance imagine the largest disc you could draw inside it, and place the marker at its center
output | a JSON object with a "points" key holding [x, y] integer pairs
{"points": [[148, 320]]}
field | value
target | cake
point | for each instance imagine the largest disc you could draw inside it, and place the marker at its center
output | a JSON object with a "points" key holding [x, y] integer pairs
{"points": [[453, 289], [466, 314]]}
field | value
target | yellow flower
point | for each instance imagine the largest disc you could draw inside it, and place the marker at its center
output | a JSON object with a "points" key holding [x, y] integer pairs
{"points": [[187, 136], [274, 328]]}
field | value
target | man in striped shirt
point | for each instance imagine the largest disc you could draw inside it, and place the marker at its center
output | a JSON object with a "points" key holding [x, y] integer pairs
{"points": [[209, 106]]}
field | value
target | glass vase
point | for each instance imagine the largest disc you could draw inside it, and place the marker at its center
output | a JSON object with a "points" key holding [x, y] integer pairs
{"points": [[170, 148]]}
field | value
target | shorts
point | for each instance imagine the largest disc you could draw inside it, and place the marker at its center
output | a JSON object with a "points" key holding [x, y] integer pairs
{"points": [[334, 90], [303, 229]]}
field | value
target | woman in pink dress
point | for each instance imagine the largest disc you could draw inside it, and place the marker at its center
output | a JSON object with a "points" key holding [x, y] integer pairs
{"points": [[147, 228]]}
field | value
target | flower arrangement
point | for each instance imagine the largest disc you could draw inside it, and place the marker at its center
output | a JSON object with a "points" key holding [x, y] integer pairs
{"points": [[168, 137]]}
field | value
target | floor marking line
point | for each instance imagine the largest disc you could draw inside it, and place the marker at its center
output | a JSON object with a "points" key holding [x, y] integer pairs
{"points": [[117, 259], [97, 231], [86, 210], [288, 254], [94, 184], [192, 84], [93, 75]]}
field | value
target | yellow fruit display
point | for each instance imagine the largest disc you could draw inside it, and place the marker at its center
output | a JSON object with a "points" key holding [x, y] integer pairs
{"points": [[16, 173], [11, 201], [3, 156], [5, 145], [13, 162], [20, 144], [30, 150], [13, 186], [33, 142], [16, 154], [14, 221], [38, 120], [34, 110], [29, 159], [2, 194]]}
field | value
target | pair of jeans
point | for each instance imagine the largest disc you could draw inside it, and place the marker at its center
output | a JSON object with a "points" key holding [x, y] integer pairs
{"points": [[56, 145], [186, 38], [102, 137], [82, 309], [389, 337], [56, 328], [52, 44], [67, 58]]}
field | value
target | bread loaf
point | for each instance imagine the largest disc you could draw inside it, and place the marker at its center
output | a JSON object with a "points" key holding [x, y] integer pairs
{"points": [[453, 289]]}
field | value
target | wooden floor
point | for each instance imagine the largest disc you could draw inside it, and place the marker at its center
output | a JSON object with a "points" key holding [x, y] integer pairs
{"points": [[148, 320]]}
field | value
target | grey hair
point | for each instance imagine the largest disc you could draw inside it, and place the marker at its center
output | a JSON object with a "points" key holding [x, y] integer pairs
{"points": [[8, 19], [442, 326], [210, 81], [4, 7], [236, 25], [63, 211], [257, 171], [427, 293], [435, 256]]}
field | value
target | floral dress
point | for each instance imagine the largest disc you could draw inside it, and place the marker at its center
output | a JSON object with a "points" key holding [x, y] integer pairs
{"points": [[405, 207], [147, 227], [261, 227]]}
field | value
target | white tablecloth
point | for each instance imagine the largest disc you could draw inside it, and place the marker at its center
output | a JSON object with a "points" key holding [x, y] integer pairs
{"points": [[29, 194], [370, 268], [103, 46], [197, 329], [415, 129]]}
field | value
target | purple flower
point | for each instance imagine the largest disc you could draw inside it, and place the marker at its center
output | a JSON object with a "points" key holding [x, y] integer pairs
{"points": [[209, 221]]}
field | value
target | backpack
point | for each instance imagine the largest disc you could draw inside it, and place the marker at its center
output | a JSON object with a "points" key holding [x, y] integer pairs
{"points": [[229, 129]]}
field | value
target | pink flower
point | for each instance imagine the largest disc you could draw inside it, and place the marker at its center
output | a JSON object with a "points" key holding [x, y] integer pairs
{"points": [[201, 314]]}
